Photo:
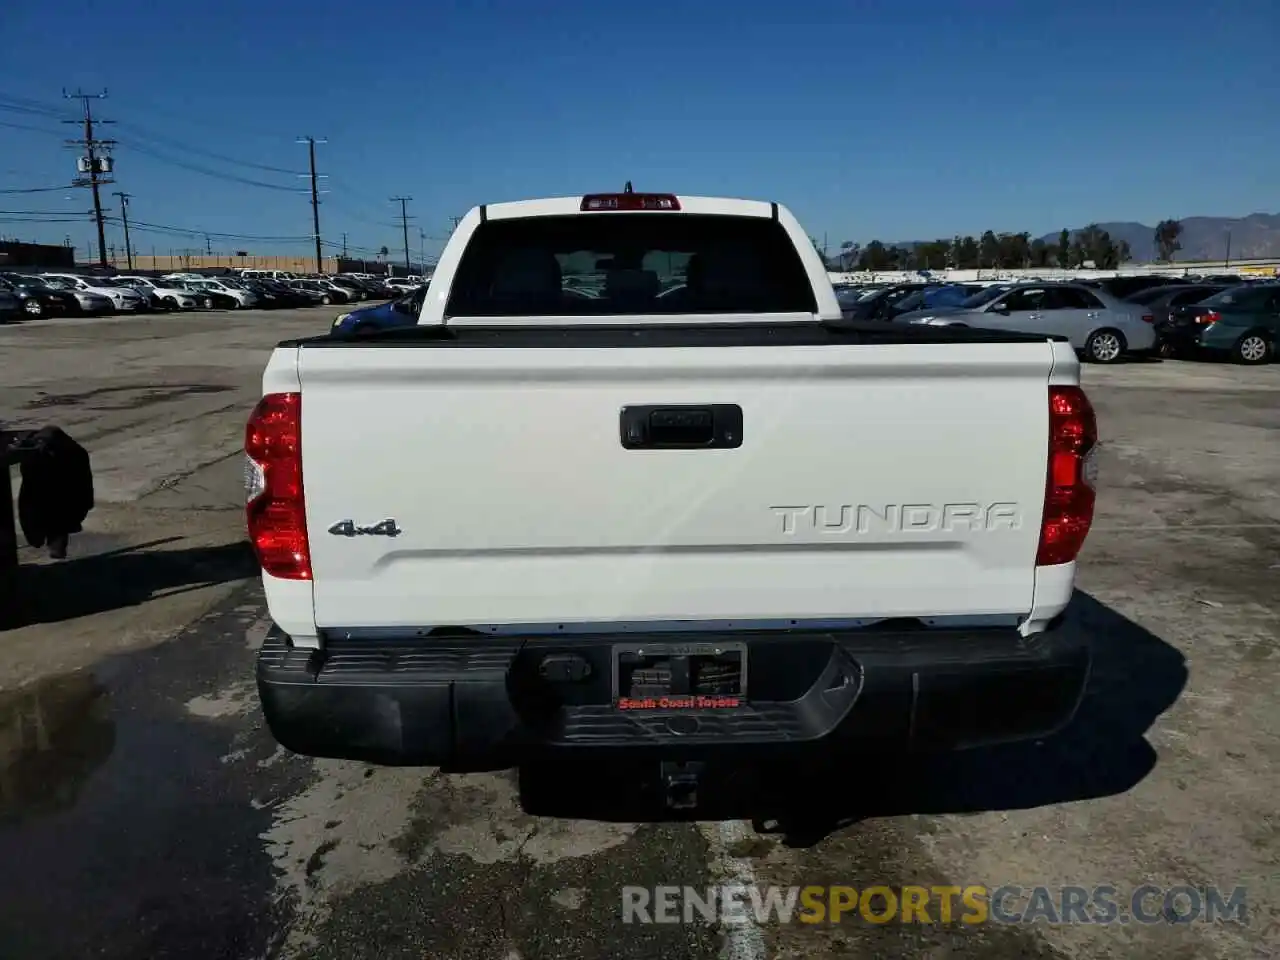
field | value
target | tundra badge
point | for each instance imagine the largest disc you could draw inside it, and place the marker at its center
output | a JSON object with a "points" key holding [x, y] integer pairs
{"points": [[348, 528]]}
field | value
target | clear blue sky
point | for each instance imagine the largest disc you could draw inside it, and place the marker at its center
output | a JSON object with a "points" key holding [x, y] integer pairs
{"points": [[885, 120]]}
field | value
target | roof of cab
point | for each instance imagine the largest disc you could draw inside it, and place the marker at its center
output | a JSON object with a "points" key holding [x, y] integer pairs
{"points": [[564, 206]]}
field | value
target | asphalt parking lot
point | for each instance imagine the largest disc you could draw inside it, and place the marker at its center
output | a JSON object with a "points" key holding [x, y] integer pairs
{"points": [[145, 811]]}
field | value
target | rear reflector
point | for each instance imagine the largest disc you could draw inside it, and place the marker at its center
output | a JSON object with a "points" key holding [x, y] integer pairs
{"points": [[1148, 318], [630, 201], [1211, 317], [274, 509], [1069, 494]]}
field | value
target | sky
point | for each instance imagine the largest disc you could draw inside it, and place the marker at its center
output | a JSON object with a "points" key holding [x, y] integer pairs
{"points": [[870, 120]]}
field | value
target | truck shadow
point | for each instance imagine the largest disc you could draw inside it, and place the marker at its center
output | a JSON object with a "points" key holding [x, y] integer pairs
{"points": [[1136, 677], [81, 586]]}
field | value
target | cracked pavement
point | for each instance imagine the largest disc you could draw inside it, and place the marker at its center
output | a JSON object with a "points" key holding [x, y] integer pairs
{"points": [[145, 810]]}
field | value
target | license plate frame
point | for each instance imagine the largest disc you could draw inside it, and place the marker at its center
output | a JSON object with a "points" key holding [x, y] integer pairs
{"points": [[680, 700]]}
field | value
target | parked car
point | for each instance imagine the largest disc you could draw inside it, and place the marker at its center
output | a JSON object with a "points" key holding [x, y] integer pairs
{"points": [[123, 299], [327, 296], [374, 287], [945, 295], [403, 312], [291, 296], [881, 304], [38, 299], [1242, 322], [353, 288], [149, 299], [304, 296], [219, 298], [1099, 326], [338, 290], [168, 296], [1159, 301], [978, 298], [88, 302], [277, 275], [227, 292], [10, 310], [268, 298], [1124, 287]]}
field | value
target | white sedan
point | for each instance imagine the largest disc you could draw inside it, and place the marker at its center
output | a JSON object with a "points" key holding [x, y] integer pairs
{"points": [[171, 296], [244, 298], [122, 298]]}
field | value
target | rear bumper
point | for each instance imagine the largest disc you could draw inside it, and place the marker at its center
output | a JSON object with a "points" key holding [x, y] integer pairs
{"points": [[1194, 338], [1141, 339], [484, 701], [1180, 338]]}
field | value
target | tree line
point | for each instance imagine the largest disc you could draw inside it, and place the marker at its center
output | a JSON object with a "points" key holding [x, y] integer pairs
{"points": [[1002, 251]]}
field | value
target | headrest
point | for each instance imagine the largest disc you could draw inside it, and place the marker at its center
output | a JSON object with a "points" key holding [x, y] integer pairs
{"points": [[527, 273]]}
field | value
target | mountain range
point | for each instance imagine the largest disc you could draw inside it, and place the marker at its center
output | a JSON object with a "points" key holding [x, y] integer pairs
{"points": [[1256, 236]]}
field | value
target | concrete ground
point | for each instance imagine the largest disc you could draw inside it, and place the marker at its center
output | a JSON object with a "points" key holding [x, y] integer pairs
{"points": [[145, 811]]}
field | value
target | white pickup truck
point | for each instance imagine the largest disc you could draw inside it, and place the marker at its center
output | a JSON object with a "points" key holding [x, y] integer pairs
{"points": [[630, 484]]}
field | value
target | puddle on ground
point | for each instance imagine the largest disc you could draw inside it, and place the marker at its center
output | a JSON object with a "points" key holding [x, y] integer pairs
{"points": [[53, 735]]}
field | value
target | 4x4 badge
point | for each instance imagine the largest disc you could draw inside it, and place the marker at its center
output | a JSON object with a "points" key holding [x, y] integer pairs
{"points": [[349, 528]]}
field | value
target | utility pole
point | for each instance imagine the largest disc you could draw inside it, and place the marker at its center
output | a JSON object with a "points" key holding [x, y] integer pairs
{"points": [[456, 221], [422, 251], [344, 246], [91, 165], [404, 226], [124, 218], [208, 246], [315, 198]]}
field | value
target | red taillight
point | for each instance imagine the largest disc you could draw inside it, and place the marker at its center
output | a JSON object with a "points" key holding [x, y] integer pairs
{"points": [[1068, 493], [599, 202], [1212, 316], [274, 507], [1148, 318]]}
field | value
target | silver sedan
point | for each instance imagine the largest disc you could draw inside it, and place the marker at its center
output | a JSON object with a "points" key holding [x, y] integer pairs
{"points": [[1098, 325]]}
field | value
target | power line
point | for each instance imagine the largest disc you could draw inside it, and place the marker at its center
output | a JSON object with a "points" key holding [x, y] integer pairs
{"points": [[93, 166], [22, 105], [187, 232], [25, 219], [172, 144], [27, 126], [404, 225], [40, 213], [34, 189], [33, 108], [196, 168]]}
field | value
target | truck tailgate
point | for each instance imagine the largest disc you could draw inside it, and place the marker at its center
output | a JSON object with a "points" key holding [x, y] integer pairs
{"points": [[871, 481]]}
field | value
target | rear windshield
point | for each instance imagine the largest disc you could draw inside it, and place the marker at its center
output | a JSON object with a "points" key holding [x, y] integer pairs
{"points": [[1149, 295], [1241, 297], [647, 263]]}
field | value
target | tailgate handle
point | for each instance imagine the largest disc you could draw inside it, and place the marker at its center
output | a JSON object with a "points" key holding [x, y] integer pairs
{"points": [[682, 426]]}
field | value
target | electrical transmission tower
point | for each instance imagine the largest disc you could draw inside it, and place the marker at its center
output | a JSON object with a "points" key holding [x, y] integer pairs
{"points": [[95, 164]]}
